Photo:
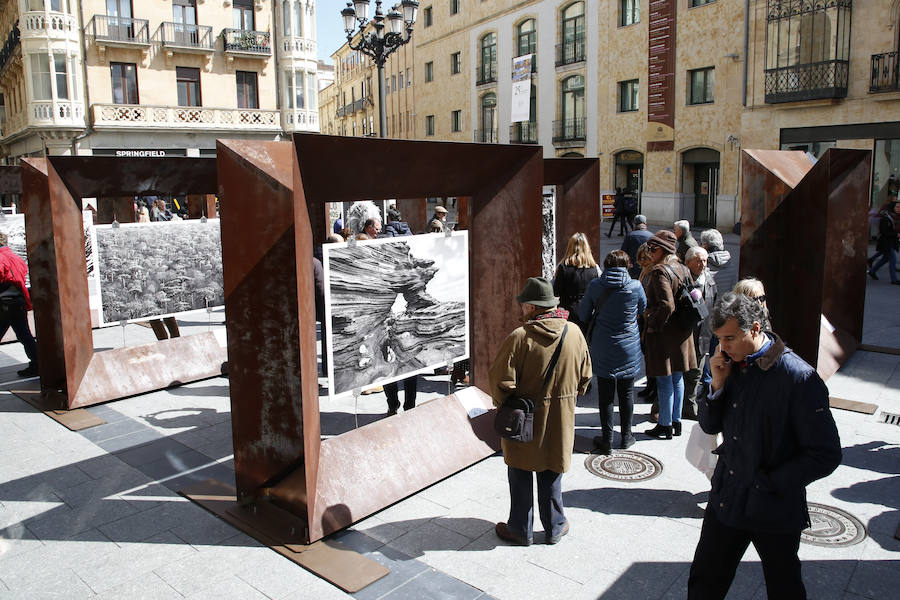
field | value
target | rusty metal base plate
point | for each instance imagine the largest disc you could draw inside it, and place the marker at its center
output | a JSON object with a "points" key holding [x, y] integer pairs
{"points": [[623, 465], [328, 559], [76, 419], [832, 527]]}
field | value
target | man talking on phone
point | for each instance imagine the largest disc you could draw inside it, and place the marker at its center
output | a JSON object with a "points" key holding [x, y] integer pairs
{"points": [[779, 436]]}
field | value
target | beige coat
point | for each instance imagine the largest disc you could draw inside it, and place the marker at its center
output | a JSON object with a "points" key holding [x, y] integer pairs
{"points": [[519, 369]]}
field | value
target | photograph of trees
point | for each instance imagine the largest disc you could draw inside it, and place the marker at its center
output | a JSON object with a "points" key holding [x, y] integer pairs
{"points": [[149, 270]]}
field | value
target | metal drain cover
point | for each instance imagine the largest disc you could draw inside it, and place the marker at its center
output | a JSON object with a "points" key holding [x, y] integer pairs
{"points": [[623, 465], [832, 527]]}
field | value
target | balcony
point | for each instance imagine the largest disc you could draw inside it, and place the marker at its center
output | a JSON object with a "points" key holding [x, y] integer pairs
{"points": [[570, 51], [10, 46], [810, 81], [569, 130], [486, 73], [884, 73], [139, 116], [246, 43], [196, 39], [300, 120], [119, 32], [56, 113], [523, 133], [49, 25], [299, 47], [486, 136]]}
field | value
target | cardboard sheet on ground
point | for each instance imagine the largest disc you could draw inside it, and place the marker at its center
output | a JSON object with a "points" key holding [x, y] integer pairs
{"points": [[395, 307]]}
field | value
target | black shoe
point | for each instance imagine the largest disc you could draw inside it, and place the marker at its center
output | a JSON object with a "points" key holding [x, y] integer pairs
{"points": [[661, 432], [895, 282], [554, 539], [503, 532], [872, 274], [29, 371], [627, 441], [676, 428], [602, 444]]}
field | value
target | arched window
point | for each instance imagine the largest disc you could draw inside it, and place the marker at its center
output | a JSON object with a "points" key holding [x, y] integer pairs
{"points": [[572, 121], [488, 118], [526, 38], [488, 65], [572, 27]]}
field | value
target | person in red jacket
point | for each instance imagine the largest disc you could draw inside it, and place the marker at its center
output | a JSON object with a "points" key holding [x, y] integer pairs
{"points": [[15, 302]]}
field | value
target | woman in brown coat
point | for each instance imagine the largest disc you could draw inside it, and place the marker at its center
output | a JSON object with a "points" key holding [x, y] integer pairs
{"points": [[519, 370], [669, 349]]}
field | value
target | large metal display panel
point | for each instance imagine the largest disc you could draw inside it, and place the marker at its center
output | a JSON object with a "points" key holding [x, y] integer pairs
{"points": [[154, 270], [395, 307]]}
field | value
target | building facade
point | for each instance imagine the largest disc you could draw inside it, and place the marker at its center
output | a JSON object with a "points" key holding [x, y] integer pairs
{"points": [[117, 77]]}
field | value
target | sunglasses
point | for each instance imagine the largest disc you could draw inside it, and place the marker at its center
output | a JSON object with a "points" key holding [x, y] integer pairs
{"points": [[760, 299]]}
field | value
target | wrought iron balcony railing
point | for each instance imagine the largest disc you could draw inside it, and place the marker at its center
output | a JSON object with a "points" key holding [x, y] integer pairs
{"points": [[884, 72], [246, 41], [10, 46], [183, 35], [105, 28], [569, 130], [486, 73], [523, 133], [570, 51], [487, 136], [810, 81]]}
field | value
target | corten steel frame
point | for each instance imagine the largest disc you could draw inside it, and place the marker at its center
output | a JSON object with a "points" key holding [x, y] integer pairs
{"points": [[270, 314], [72, 375], [805, 236], [577, 182]]}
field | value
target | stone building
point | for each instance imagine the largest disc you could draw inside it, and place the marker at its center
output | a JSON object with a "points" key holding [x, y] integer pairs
{"points": [[117, 77]]}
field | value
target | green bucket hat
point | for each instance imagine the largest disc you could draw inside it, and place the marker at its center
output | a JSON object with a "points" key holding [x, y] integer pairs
{"points": [[538, 291]]}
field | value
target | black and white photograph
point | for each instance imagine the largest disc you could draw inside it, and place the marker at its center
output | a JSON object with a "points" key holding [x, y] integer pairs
{"points": [[14, 228], [395, 307], [153, 270], [548, 238]]}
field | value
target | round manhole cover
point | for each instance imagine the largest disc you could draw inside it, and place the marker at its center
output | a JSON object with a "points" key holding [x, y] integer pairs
{"points": [[623, 465], [832, 527]]}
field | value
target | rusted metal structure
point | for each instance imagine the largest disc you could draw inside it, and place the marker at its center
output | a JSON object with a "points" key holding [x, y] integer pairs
{"points": [[577, 182], [270, 315], [72, 374], [804, 235]]}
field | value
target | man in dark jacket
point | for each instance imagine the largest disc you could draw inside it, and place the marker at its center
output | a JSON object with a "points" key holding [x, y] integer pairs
{"points": [[686, 241], [639, 235], [396, 226], [772, 409]]}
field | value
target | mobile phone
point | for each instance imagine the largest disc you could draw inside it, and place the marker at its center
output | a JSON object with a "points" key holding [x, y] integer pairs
{"points": [[725, 355]]}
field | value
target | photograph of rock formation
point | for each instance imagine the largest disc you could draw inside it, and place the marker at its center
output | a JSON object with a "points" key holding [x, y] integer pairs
{"points": [[151, 270], [395, 307]]}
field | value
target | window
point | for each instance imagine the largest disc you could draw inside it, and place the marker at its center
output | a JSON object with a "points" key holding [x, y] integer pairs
{"points": [[408, 77], [242, 14], [488, 67], [428, 16], [630, 12], [286, 17], [59, 69], [293, 89], [312, 91], [488, 118], [387, 85], [188, 81], [429, 71], [247, 91], [124, 83], [526, 38], [429, 125], [694, 3], [573, 98], [394, 82], [701, 84], [118, 8], [456, 121], [455, 63], [40, 77], [400, 79], [572, 48], [184, 13], [454, 7], [298, 19], [628, 95]]}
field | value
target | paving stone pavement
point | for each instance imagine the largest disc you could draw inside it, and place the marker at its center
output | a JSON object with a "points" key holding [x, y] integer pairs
{"points": [[96, 514]]}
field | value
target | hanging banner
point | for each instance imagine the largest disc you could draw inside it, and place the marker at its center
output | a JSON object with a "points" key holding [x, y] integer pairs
{"points": [[521, 89]]}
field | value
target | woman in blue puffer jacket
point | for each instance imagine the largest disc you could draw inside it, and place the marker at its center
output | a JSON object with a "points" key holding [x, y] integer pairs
{"points": [[613, 302]]}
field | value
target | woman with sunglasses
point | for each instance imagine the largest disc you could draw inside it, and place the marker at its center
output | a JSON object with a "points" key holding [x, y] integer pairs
{"points": [[669, 348]]}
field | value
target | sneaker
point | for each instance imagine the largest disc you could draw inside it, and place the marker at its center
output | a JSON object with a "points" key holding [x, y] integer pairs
{"points": [[30, 371], [627, 441], [503, 532], [554, 539]]}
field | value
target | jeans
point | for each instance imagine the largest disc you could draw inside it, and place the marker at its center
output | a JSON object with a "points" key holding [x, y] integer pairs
{"points": [[606, 392], [391, 390], [720, 550], [889, 257], [521, 502], [17, 318], [670, 390]]}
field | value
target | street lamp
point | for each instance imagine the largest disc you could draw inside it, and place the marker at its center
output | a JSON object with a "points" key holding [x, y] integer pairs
{"points": [[379, 44]]}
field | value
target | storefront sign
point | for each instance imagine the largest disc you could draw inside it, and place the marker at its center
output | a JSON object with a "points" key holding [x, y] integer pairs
{"points": [[609, 206], [139, 153]]}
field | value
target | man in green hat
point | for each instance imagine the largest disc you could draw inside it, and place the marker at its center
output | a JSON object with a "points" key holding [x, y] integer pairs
{"points": [[519, 370]]}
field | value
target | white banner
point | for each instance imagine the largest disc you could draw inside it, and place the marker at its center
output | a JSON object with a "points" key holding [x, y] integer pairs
{"points": [[521, 89]]}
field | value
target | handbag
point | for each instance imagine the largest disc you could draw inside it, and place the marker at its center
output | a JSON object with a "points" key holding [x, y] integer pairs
{"points": [[690, 309], [514, 420]]}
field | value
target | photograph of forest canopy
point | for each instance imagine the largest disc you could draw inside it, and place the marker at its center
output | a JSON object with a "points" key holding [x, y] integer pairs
{"points": [[14, 228], [150, 270]]}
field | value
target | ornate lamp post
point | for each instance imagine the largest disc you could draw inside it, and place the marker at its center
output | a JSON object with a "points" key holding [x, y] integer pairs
{"points": [[379, 44]]}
